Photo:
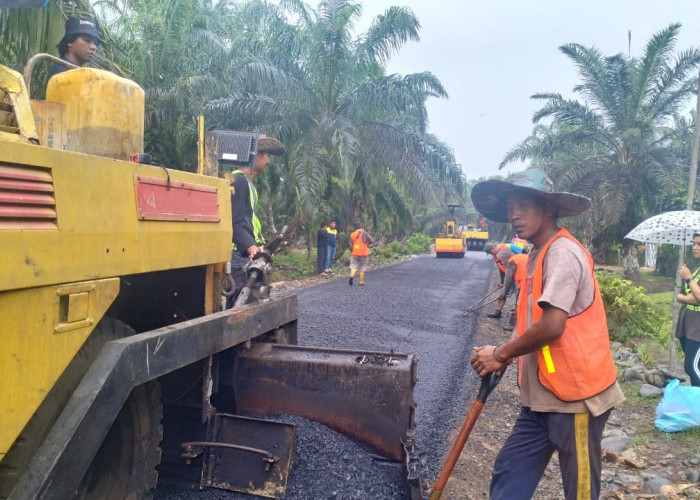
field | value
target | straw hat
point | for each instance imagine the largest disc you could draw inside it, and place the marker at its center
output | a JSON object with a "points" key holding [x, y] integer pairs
{"points": [[269, 145], [489, 197]]}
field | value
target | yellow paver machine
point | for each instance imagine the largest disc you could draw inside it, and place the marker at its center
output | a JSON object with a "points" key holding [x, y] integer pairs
{"points": [[113, 329]]}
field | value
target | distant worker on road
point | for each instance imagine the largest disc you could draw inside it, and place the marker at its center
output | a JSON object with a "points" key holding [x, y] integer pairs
{"points": [[332, 243], [516, 275], [322, 248], [567, 376], [359, 253], [79, 43], [500, 252], [247, 231]]}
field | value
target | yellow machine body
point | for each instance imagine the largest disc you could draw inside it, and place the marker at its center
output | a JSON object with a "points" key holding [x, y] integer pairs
{"points": [[72, 224]]}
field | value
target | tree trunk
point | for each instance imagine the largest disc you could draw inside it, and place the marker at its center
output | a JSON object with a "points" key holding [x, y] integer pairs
{"points": [[630, 264], [271, 218]]}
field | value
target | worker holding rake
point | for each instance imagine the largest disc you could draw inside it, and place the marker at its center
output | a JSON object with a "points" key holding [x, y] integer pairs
{"points": [[568, 383]]}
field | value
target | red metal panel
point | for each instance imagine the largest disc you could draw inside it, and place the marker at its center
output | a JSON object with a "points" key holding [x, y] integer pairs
{"points": [[160, 199], [26, 198], [26, 174], [29, 212], [26, 186]]}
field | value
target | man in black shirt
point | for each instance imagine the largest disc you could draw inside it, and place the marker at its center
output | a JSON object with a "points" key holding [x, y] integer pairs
{"points": [[247, 231]]}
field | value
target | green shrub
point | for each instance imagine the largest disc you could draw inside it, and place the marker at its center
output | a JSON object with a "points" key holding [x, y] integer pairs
{"points": [[418, 243], [630, 312]]}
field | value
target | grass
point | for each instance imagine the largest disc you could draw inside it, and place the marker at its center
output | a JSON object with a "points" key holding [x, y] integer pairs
{"points": [[654, 282], [294, 263]]}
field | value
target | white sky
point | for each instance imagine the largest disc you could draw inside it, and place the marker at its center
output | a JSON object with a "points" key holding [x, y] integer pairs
{"points": [[491, 56]]}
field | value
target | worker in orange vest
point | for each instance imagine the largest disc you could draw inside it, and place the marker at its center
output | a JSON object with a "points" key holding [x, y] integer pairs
{"points": [[568, 382], [360, 240], [516, 274], [500, 253]]}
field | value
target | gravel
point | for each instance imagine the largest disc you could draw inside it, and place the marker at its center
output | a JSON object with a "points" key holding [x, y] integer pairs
{"points": [[414, 307]]}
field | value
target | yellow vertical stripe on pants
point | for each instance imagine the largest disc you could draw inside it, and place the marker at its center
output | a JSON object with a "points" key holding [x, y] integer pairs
{"points": [[583, 486]]}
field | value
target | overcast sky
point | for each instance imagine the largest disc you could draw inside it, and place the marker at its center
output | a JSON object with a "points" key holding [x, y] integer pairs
{"points": [[491, 56]]}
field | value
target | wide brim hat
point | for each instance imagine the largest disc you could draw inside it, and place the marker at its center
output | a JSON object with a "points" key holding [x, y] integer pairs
{"points": [[82, 25], [489, 197], [269, 145]]}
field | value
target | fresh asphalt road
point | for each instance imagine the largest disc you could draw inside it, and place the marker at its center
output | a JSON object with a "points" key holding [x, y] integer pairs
{"points": [[413, 307]]}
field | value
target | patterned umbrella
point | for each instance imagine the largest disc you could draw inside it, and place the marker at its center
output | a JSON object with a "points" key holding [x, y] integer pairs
{"points": [[674, 228]]}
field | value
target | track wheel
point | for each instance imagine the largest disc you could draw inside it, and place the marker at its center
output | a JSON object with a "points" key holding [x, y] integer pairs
{"points": [[125, 464]]}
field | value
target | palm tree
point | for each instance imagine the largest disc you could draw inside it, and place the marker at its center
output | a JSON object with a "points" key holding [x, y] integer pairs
{"points": [[176, 51], [615, 142], [355, 136]]}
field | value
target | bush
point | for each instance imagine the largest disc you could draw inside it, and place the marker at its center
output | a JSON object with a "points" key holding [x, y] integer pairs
{"points": [[630, 313], [418, 243]]}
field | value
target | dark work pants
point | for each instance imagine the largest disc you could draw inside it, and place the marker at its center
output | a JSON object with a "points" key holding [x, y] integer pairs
{"points": [[691, 350], [535, 437], [321, 261]]}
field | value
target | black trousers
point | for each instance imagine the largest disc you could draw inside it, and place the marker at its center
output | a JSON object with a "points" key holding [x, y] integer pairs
{"points": [[321, 261], [535, 437]]}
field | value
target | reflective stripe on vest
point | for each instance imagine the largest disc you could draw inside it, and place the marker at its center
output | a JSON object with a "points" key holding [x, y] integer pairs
{"points": [[686, 291], [257, 227], [579, 363], [359, 247]]}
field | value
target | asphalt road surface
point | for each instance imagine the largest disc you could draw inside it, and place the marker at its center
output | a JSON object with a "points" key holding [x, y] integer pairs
{"points": [[414, 307]]}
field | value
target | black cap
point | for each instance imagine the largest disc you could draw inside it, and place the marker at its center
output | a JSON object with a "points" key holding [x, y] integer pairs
{"points": [[83, 25]]}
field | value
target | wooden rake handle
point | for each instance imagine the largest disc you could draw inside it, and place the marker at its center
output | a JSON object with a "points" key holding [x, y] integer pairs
{"points": [[487, 385]]}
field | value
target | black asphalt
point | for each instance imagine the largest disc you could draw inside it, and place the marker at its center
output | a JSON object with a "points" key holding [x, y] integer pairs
{"points": [[413, 307]]}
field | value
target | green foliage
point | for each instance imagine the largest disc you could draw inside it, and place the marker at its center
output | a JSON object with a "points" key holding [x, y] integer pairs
{"points": [[630, 312], [644, 356], [619, 140], [667, 260], [418, 243], [392, 250]]}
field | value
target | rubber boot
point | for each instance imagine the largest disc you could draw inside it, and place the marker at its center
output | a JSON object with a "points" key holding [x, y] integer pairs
{"points": [[362, 279], [352, 277]]}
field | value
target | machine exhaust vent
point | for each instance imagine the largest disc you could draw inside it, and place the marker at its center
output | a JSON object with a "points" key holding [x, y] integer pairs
{"points": [[27, 199]]}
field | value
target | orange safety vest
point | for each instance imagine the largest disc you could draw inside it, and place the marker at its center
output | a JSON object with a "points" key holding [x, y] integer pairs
{"points": [[359, 247], [579, 363], [520, 261]]}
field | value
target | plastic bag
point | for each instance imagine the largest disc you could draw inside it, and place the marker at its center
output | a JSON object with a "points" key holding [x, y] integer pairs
{"points": [[679, 409]]}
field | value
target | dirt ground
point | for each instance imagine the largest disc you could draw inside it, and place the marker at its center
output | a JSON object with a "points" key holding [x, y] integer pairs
{"points": [[652, 452]]}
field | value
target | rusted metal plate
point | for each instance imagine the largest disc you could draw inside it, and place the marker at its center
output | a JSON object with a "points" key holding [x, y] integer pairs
{"points": [[160, 199], [260, 462], [365, 395]]}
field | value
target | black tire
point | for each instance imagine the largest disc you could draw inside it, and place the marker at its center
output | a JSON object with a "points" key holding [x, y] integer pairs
{"points": [[125, 464]]}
